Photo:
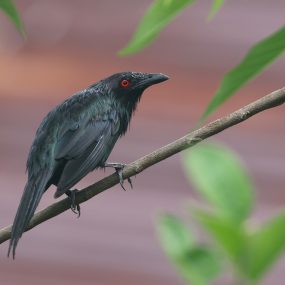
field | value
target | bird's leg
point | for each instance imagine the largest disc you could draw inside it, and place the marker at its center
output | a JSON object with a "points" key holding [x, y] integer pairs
{"points": [[74, 207], [119, 169]]}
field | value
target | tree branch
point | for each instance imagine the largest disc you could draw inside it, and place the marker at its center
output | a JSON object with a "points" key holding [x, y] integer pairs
{"points": [[272, 100]]}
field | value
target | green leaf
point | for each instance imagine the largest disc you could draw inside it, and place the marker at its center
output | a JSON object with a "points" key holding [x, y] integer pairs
{"points": [[159, 15], [228, 236], [264, 246], [215, 7], [174, 236], [198, 265], [218, 175], [258, 58], [10, 10], [251, 254]]}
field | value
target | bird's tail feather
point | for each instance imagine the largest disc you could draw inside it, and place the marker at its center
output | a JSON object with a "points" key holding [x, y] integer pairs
{"points": [[32, 195]]}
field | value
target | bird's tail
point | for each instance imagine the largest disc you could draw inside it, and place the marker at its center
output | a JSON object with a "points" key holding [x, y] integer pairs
{"points": [[31, 197]]}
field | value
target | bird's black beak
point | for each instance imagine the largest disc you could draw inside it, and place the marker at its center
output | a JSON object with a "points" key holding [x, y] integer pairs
{"points": [[151, 79]]}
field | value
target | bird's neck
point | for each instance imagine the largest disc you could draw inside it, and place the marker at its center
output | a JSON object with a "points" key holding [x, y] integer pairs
{"points": [[124, 108], [125, 112]]}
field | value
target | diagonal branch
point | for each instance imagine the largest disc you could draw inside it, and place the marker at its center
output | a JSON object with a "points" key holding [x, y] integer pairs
{"points": [[272, 100]]}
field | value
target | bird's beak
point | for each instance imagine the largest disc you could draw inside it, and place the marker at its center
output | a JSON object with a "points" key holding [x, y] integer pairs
{"points": [[151, 79]]}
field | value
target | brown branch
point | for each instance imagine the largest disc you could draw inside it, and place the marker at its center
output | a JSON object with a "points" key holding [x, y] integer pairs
{"points": [[272, 100]]}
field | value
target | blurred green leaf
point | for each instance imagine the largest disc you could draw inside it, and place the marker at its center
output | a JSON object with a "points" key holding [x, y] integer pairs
{"points": [[175, 237], [218, 174], [264, 246], [10, 10], [198, 265], [159, 15], [258, 58], [215, 7], [229, 237]]}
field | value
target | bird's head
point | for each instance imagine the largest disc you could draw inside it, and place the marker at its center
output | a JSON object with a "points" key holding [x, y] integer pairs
{"points": [[129, 86]]}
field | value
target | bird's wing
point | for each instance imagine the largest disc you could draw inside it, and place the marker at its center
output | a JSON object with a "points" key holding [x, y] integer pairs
{"points": [[85, 148], [77, 139]]}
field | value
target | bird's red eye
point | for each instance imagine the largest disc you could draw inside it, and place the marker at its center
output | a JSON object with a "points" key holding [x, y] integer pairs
{"points": [[125, 83]]}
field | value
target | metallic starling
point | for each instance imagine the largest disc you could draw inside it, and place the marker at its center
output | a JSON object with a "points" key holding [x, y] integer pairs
{"points": [[77, 137]]}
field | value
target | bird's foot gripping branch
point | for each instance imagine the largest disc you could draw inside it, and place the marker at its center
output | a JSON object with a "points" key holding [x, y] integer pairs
{"points": [[119, 170]]}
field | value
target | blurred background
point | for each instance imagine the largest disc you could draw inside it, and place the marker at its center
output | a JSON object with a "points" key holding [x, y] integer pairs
{"points": [[71, 44]]}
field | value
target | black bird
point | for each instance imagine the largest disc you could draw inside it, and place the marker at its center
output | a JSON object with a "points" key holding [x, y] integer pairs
{"points": [[76, 137]]}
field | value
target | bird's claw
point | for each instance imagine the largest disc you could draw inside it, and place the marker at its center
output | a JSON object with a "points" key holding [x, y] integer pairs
{"points": [[75, 208], [119, 169], [130, 182]]}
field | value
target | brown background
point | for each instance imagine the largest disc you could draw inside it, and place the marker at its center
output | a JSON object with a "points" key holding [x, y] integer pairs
{"points": [[71, 44]]}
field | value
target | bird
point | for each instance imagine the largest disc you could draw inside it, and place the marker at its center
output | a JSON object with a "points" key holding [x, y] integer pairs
{"points": [[76, 137]]}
